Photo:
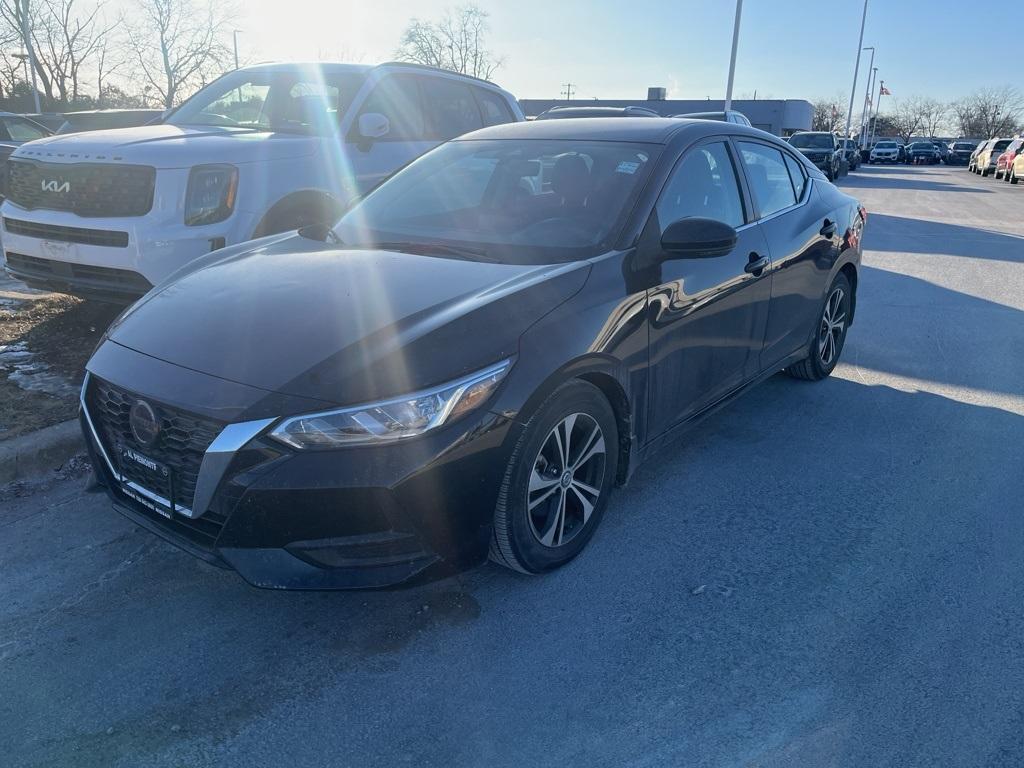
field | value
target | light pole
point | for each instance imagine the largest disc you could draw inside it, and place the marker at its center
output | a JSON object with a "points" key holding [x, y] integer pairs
{"points": [[856, 71], [867, 90], [868, 106], [31, 53], [732, 58], [235, 36], [878, 108]]}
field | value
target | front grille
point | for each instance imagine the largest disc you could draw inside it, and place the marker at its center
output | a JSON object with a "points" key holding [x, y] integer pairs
{"points": [[180, 445], [108, 237], [121, 281], [87, 189]]}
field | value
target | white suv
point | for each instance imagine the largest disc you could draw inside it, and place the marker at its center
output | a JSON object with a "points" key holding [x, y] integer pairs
{"points": [[264, 149], [884, 152]]}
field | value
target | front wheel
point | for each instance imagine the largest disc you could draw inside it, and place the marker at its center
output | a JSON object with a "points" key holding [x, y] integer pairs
{"points": [[557, 483], [826, 346], [1013, 175]]}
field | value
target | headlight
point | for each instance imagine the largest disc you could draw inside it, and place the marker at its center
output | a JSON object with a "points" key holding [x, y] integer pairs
{"points": [[211, 194], [395, 419]]}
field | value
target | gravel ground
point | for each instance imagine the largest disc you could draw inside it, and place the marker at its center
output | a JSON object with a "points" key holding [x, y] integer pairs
{"points": [[821, 575]]}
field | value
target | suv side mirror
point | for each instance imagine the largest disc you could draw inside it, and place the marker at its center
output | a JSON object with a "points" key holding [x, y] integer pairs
{"points": [[698, 238], [373, 125]]}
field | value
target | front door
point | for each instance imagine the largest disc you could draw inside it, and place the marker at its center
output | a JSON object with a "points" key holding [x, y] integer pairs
{"points": [[707, 316]]}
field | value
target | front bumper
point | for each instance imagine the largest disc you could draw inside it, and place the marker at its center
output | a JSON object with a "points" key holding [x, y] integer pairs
{"points": [[340, 519]]}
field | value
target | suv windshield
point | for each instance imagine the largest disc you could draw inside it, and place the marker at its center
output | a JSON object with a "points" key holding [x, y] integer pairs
{"points": [[510, 201], [811, 141], [302, 100], [886, 145], [963, 145]]}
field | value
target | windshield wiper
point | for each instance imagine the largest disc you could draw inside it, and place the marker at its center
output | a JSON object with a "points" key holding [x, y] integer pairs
{"points": [[427, 249]]}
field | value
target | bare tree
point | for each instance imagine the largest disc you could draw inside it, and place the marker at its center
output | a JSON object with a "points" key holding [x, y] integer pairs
{"points": [[457, 42], [829, 115], [908, 117], [989, 112], [19, 17], [178, 45]]}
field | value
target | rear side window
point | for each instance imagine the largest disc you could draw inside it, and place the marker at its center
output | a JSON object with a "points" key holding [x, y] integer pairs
{"points": [[22, 130], [797, 176], [768, 177], [451, 108], [493, 107], [397, 98], [703, 184]]}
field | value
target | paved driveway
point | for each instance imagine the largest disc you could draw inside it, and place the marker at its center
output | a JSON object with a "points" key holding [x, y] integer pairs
{"points": [[823, 574]]}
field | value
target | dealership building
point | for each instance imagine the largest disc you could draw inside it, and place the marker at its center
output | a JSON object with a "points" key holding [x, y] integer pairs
{"points": [[782, 117]]}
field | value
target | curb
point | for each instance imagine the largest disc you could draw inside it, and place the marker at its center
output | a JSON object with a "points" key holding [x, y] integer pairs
{"points": [[44, 450]]}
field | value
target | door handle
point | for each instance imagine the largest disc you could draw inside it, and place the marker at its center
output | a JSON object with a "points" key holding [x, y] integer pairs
{"points": [[828, 229], [756, 264]]}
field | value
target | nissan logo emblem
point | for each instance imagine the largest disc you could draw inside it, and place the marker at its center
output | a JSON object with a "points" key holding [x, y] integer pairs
{"points": [[144, 423]]}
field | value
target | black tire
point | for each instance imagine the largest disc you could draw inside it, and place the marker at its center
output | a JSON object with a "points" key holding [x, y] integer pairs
{"points": [[830, 174], [1013, 176], [816, 366], [516, 542]]}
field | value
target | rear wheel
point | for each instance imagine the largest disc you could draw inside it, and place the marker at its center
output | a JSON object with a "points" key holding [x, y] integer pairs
{"points": [[557, 483], [1013, 175], [826, 346]]}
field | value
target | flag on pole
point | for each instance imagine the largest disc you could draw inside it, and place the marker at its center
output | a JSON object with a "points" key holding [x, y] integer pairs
{"points": [[885, 91]]}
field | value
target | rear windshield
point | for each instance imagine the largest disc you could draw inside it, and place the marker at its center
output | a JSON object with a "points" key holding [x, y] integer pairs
{"points": [[811, 141], [963, 145], [1002, 144]]}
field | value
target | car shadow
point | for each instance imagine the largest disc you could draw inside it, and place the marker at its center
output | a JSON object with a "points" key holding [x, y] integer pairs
{"points": [[906, 235]]}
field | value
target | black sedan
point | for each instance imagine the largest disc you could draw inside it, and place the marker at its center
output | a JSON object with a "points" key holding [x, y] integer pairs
{"points": [[473, 356], [922, 153]]}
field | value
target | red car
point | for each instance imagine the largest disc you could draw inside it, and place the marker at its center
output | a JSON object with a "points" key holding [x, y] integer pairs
{"points": [[1005, 161]]}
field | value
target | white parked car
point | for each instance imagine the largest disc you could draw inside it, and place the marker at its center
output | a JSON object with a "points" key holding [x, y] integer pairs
{"points": [[884, 152], [262, 150]]}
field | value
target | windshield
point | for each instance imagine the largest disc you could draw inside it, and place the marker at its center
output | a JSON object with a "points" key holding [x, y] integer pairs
{"points": [[886, 145], [1002, 144], [511, 201], [811, 141], [963, 145], [303, 100]]}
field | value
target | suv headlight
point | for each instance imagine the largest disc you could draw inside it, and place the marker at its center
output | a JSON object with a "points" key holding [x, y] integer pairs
{"points": [[393, 419], [211, 194]]}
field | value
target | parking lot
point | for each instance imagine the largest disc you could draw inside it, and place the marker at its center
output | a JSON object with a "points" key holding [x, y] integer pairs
{"points": [[822, 574]]}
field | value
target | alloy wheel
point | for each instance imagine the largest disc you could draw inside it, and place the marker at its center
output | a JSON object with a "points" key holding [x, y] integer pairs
{"points": [[566, 480], [833, 323]]}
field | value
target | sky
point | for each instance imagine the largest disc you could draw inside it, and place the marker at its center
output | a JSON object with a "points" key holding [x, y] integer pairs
{"points": [[788, 48]]}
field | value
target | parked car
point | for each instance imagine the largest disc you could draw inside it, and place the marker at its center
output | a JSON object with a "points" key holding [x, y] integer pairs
{"points": [[985, 161], [562, 113], [730, 116], [15, 130], [1016, 168], [884, 152], [960, 152], [821, 148], [261, 150], [461, 370], [922, 152], [972, 164], [851, 153], [1006, 157], [103, 119]]}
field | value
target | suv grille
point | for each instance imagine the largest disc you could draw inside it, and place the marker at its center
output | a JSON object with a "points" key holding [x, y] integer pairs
{"points": [[87, 189], [180, 444]]}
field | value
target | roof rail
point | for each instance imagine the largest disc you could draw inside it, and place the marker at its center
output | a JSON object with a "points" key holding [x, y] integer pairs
{"points": [[429, 68]]}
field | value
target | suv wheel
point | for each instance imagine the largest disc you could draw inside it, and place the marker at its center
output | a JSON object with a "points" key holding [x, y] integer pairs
{"points": [[557, 483]]}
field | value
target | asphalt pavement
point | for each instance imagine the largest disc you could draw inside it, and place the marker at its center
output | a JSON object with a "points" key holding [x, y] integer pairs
{"points": [[823, 574]]}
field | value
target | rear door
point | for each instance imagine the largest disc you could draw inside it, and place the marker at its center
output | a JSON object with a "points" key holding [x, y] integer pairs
{"points": [[800, 241], [707, 316]]}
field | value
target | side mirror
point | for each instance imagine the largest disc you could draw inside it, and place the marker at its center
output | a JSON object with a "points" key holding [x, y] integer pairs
{"points": [[698, 238], [373, 125]]}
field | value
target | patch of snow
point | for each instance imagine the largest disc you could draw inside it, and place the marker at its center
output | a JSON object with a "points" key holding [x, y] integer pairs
{"points": [[32, 376]]}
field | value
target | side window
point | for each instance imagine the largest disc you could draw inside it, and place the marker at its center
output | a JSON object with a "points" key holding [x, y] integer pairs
{"points": [[397, 97], [797, 176], [451, 108], [768, 177], [493, 107], [702, 184], [22, 130]]}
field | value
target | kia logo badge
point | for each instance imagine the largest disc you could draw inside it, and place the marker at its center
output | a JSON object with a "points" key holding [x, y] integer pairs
{"points": [[53, 185], [144, 424]]}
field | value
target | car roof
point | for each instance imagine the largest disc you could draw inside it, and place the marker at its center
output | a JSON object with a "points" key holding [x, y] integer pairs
{"points": [[570, 111], [642, 130], [342, 68]]}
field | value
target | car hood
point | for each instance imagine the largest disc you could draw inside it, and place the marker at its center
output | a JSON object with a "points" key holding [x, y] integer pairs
{"points": [[299, 317], [170, 146]]}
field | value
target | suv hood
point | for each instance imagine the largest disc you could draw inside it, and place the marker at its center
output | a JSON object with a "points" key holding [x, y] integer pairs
{"points": [[302, 318], [170, 146]]}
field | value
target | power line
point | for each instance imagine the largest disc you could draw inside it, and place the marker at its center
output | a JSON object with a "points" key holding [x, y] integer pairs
{"points": [[569, 88]]}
